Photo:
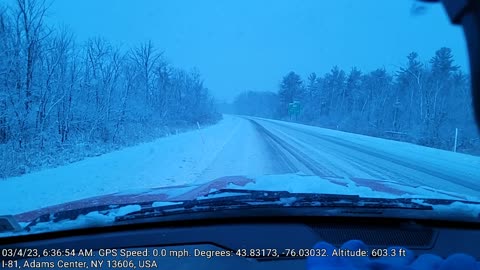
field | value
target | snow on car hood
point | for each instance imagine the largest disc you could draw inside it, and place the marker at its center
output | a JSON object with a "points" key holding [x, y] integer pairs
{"points": [[288, 182]]}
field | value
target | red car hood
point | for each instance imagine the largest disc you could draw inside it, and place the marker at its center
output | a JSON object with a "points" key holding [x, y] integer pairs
{"points": [[163, 194], [383, 188]]}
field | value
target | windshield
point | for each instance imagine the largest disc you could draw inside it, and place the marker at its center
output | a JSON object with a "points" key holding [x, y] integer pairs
{"points": [[168, 101]]}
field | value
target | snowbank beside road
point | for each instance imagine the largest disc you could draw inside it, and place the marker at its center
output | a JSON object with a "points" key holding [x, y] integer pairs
{"points": [[170, 160]]}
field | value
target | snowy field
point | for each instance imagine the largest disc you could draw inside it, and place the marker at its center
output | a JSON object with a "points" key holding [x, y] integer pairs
{"points": [[245, 146]]}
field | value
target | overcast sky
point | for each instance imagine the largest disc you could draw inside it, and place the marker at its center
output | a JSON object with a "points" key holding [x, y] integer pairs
{"points": [[250, 44]]}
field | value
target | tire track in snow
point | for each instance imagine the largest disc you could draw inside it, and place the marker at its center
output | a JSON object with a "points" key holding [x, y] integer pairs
{"points": [[401, 163], [356, 162], [328, 158], [312, 165], [283, 163]]}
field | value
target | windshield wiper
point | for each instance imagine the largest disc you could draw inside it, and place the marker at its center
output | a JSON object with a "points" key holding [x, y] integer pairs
{"points": [[230, 199], [243, 198], [9, 224], [328, 197]]}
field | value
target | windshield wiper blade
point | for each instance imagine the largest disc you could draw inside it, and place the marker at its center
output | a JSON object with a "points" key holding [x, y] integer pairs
{"points": [[9, 224], [228, 199], [328, 197], [247, 199], [75, 213], [327, 200], [268, 194]]}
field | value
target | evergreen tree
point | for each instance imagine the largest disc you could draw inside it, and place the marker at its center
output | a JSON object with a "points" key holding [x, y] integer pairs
{"points": [[291, 89]]}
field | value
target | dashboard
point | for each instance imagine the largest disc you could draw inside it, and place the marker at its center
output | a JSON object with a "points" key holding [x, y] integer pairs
{"points": [[247, 244]]}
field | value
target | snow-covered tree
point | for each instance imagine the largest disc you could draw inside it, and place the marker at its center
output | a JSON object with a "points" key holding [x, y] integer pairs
{"points": [[291, 89], [61, 101]]}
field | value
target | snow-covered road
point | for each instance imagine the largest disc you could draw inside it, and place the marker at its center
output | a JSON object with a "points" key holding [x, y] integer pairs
{"points": [[340, 154], [245, 146]]}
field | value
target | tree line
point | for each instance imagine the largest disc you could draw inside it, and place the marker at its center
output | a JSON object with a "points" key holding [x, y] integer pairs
{"points": [[62, 99], [422, 103]]}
